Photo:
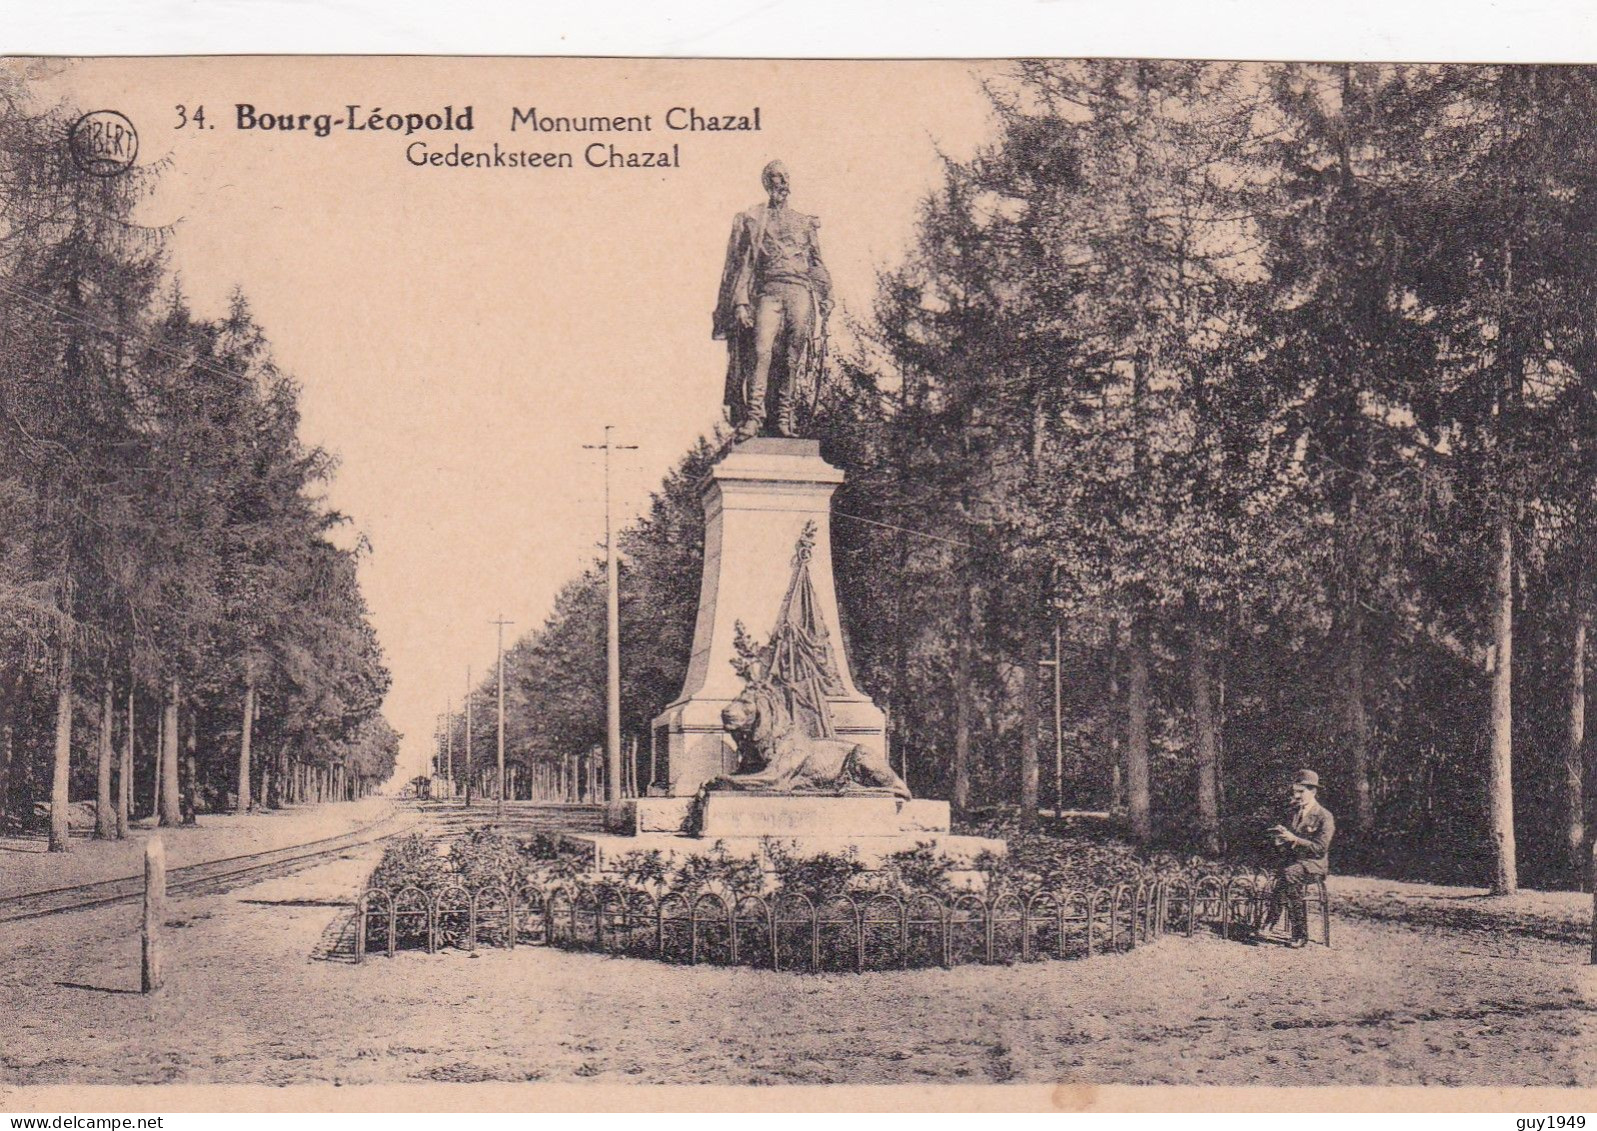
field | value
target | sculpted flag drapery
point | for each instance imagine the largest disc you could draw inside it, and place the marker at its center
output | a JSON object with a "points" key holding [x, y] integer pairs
{"points": [[801, 660], [782, 722]]}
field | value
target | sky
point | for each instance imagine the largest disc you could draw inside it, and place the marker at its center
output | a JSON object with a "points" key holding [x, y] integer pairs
{"points": [[460, 334]]}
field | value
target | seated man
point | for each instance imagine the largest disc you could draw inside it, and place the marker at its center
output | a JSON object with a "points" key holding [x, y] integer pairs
{"points": [[1304, 846]]}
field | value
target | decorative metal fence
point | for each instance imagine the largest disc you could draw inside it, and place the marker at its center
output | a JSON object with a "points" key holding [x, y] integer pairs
{"points": [[788, 931]]}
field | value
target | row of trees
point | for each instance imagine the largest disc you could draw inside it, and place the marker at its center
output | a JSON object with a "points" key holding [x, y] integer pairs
{"points": [[1265, 394], [176, 623]]}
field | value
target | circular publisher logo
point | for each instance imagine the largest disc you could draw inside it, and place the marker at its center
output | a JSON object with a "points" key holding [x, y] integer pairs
{"points": [[103, 143]]}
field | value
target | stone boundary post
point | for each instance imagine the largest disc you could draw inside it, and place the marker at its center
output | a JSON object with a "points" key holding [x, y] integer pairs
{"points": [[150, 978]]}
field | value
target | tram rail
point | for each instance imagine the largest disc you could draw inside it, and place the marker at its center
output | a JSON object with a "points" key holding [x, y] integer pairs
{"points": [[447, 821], [204, 877]]}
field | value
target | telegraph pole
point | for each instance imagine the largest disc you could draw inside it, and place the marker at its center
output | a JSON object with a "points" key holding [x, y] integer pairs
{"points": [[1059, 733], [470, 773], [500, 665], [449, 742], [612, 608], [1059, 738], [440, 767]]}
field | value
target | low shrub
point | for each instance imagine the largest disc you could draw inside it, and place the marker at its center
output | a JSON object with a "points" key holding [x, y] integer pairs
{"points": [[481, 858], [412, 861], [822, 876], [737, 875], [921, 870], [1043, 860], [1037, 860]]}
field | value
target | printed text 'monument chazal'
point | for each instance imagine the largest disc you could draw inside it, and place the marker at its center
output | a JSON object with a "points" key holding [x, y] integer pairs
{"points": [[689, 118]]}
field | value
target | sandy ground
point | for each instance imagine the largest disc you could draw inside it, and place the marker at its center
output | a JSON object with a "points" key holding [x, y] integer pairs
{"points": [[253, 998], [26, 865]]}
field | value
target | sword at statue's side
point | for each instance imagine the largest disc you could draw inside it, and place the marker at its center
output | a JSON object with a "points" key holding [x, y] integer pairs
{"points": [[819, 340]]}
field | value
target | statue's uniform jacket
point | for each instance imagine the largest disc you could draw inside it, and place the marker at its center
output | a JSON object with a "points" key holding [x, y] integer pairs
{"points": [[768, 248]]}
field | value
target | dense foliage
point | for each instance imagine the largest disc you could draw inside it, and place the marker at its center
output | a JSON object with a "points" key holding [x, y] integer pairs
{"points": [[1268, 396], [173, 602], [1035, 862]]}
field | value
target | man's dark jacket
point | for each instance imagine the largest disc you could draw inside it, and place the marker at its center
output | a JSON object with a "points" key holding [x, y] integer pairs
{"points": [[1314, 824]]}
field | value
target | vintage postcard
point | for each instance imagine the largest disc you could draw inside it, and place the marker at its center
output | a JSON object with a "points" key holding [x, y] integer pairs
{"points": [[659, 585]]}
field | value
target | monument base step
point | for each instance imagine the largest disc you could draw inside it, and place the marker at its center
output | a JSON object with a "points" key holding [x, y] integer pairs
{"points": [[609, 851], [754, 814]]}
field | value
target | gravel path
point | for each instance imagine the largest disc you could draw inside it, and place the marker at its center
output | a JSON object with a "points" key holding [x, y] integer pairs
{"points": [[253, 999]]}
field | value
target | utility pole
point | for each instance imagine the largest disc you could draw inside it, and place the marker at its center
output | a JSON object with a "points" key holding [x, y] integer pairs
{"points": [[612, 735], [440, 767], [470, 772], [1059, 737], [449, 742], [500, 666]]}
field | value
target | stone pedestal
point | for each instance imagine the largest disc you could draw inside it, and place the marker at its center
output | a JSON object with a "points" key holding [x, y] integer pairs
{"points": [[609, 853], [743, 814], [757, 502], [851, 815], [868, 826]]}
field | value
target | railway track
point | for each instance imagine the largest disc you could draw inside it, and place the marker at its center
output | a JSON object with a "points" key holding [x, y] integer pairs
{"points": [[451, 820], [206, 877], [445, 821]]}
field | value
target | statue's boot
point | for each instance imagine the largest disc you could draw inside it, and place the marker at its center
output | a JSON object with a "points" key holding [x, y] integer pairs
{"points": [[753, 420], [785, 423]]}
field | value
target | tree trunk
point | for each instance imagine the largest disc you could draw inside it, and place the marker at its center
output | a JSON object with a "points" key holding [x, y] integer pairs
{"points": [[61, 777], [7, 755], [1358, 720], [191, 797], [171, 810], [124, 792], [243, 805], [1117, 773], [1575, 745], [157, 772], [1500, 779], [1137, 767], [964, 631], [1208, 745], [1031, 657], [104, 817]]}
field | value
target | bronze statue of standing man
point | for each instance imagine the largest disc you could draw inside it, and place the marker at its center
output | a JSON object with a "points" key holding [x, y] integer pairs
{"points": [[775, 297]]}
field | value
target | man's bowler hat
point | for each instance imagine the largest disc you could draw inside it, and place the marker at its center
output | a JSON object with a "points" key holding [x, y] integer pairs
{"points": [[1308, 778]]}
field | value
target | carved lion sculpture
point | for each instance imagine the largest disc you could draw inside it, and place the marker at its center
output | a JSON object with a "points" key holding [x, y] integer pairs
{"points": [[784, 758]]}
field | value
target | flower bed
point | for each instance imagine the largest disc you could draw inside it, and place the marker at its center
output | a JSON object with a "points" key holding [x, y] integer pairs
{"points": [[1051, 898]]}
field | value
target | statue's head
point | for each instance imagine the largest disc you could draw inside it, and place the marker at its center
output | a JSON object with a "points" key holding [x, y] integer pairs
{"points": [[775, 179]]}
